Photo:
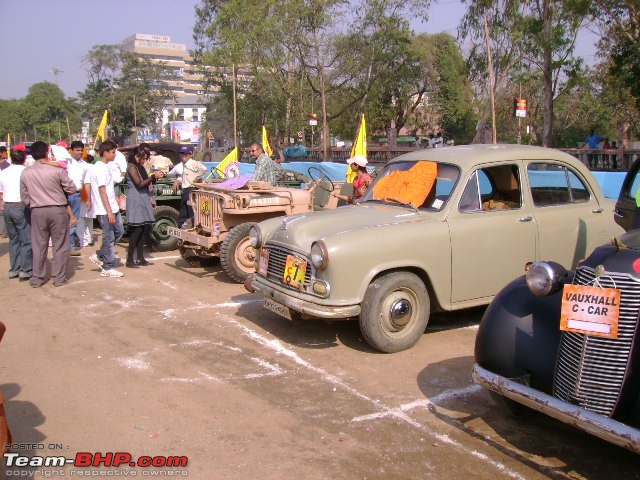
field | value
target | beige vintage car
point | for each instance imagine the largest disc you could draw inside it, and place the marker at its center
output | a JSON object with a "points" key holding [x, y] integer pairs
{"points": [[438, 230]]}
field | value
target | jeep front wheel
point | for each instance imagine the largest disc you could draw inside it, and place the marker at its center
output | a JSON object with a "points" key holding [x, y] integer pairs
{"points": [[395, 312], [237, 256], [166, 217]]}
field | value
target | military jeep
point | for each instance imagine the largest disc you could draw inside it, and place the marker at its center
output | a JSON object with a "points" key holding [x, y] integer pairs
{"points": [[223, 217]]}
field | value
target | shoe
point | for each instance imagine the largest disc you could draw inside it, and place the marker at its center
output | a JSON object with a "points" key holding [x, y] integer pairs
{"points": [[13, 275], [94, 259], [75, 253], [113, 273], [24, 279], [131, 264], [61, 282], [143, 263], [36, 285]]}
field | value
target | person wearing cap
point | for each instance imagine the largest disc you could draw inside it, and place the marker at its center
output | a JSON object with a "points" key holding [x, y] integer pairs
{"points": [[266, 169], [358, 165], [44, 189], [192, 172], [17, 218]]}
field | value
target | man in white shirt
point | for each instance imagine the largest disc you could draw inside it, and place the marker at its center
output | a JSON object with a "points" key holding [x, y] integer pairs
{"points": [[17, 218], [118, 167], [106, 210], [82, 233], [192, 172], [4, 163]]}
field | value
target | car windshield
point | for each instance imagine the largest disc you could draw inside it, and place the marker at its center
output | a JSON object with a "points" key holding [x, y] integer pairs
{"points": [[423, 185]]}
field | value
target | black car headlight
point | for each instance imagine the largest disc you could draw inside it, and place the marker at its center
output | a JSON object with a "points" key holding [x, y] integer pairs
{"points": [[545, 278], [255, 236], [319, 255]]}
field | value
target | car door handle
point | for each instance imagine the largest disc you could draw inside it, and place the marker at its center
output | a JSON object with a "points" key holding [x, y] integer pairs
{"points": [[597, 210], [525, 219], [618, 213]]}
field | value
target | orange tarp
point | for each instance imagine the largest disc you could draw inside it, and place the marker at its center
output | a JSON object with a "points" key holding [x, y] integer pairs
{"points": [[409, 186]]}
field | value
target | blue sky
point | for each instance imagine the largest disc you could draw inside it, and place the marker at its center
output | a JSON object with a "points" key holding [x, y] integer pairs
{"points": [[40, 35]]}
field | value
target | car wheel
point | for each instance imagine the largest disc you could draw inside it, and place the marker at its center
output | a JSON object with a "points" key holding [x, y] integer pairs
{"points": [[514, 408], [237, 256], [166, 217], [194, 259], [395, 312]]}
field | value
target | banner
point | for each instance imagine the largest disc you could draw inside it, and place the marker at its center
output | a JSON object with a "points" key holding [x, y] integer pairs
{"points": [[359, 147], [102, 130], [228, 167], [185, 131], [265, 142]]}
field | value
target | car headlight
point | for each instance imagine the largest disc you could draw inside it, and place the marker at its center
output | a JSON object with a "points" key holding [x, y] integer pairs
{"points": [[319, 255], [545, 278], [255, 236]]}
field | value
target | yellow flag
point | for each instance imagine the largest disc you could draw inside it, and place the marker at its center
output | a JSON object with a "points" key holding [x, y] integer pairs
{"points": [[8, 141], [359, 147], [228, 167], [265, 142], [102, 129]]}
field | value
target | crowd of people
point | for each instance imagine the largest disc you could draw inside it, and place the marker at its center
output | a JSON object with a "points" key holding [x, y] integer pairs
{"points": [[51, 195]]}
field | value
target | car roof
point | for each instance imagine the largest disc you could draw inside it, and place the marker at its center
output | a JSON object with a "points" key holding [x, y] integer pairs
{"points": [[470, 155]]}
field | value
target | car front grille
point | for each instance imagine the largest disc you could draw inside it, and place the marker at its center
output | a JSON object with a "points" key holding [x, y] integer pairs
{"points": [[277, 262], [206, 209], [590, 370]]}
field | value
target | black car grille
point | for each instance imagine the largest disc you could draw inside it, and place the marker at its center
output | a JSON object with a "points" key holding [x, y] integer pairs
{"points": [[590, 370], [277, 262]]}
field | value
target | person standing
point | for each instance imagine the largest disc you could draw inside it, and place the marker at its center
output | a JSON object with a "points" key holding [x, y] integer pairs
{"points": [[592, 141], [79, 172], [44, 189], [106, 210], [192, 172], [16, 217], [266, 169], [140, 215], [4, 163], [76, 167]]}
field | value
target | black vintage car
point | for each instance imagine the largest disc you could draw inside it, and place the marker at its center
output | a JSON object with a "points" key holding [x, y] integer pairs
{"points": [[568, 343]]}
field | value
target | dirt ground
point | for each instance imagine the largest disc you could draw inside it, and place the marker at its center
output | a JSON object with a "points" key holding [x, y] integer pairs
{"points": [[175, 361]]}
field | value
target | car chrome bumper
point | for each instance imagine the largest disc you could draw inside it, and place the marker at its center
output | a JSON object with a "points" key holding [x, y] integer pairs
{"points": [[593, 423], [305, 308]]}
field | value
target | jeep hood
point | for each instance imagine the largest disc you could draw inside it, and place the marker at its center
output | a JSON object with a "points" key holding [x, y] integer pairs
{"points": [[302, 230]]}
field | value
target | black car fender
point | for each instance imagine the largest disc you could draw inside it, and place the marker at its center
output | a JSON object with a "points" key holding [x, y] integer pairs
{"points": [[519, 335]]}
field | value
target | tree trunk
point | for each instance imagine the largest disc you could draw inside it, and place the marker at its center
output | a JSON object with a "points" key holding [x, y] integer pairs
{"points": [[547, 115]]}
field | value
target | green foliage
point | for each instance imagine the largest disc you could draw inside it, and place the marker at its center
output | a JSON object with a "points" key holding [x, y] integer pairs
{"points": [[131, 87]]}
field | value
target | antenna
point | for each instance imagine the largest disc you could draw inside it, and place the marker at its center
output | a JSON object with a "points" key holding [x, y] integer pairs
{"points": [[56, 72]]}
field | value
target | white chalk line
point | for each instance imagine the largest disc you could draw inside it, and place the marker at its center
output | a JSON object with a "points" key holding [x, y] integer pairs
{"points": [[397, 413]]}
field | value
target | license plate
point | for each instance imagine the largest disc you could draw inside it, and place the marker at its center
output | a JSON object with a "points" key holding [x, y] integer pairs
{"points": [[278, 308], [590, 310], [174, 232], [264, 262], [294, 271]]}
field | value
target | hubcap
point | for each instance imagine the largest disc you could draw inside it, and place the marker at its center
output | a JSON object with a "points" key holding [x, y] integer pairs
{"points": [[400, 312]]}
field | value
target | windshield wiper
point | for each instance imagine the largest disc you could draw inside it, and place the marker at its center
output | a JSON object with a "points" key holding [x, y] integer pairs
{"points": [[405, 204]]}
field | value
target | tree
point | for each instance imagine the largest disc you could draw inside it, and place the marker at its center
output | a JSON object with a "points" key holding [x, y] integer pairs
{"points": [[46, 110], [131, 87]]}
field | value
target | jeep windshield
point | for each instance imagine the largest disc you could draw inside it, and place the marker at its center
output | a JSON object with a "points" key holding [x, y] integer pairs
{"points": [[423, 185]]}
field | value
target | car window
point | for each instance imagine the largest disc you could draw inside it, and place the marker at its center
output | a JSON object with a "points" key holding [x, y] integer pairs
{"points": [[554, 184], [635, 185], [492, 188], [423, 184]]}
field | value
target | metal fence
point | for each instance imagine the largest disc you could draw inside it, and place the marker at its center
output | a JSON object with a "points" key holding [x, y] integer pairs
{"points": [[595, 159]]}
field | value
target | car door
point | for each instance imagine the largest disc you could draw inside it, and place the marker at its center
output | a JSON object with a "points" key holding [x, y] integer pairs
{"points": [[626, 204], [566, 212], [493, 233]]}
